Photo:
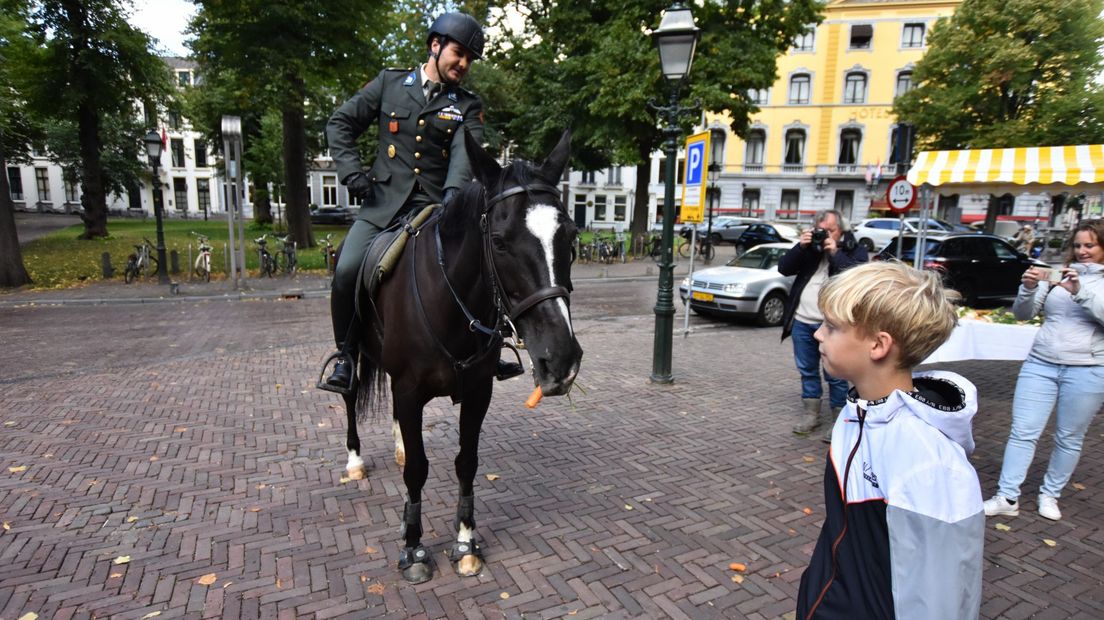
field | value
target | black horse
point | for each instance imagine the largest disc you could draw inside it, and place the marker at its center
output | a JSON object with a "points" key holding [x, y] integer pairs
{"points": [[497, 255]]}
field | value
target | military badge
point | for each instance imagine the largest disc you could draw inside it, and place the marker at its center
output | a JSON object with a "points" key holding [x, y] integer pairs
{"points": [[409, 81], [393, 125]]}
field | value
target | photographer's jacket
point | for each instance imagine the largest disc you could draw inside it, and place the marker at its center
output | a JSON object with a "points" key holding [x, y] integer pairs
{"points": [[421, 143], [803, 262], [904, 525]]}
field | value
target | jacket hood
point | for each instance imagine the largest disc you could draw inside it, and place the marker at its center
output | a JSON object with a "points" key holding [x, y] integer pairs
{"points": [[941, 399]]}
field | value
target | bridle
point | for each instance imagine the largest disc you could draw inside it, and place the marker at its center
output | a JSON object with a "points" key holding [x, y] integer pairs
{"points": [[502, 300]]}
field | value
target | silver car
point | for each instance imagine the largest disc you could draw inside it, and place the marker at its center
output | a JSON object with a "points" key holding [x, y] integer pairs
{"points": [[748, 286]]}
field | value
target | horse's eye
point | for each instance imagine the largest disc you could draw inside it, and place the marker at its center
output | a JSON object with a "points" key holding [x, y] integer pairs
{"points": [[499, 244]]}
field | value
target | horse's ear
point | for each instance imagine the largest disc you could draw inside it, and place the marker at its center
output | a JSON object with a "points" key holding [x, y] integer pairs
{"points": [[485, 168], [553, 167]]}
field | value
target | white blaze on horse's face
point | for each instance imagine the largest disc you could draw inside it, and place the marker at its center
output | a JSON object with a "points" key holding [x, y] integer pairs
{"points": [[543, 221]]}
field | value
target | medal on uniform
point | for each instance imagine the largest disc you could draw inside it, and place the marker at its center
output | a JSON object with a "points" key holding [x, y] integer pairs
{"points": [[393, 125], [391, 151]]}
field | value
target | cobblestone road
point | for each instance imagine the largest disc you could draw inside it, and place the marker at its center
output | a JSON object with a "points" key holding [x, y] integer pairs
{"points": [[187, 436]]}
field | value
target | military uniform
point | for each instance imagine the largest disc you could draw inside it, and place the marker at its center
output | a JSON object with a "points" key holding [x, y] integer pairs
{"points": [[421, 154]]}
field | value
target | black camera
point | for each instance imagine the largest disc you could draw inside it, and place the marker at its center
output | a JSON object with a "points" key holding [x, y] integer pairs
{"points": [[819, 237]]}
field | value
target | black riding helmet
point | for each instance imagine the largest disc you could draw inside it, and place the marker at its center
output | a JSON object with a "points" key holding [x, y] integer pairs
{"points": [[459, 27]]}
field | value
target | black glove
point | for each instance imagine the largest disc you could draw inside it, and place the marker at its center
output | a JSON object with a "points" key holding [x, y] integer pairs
{"points": [[449, 193], [359, 186]]}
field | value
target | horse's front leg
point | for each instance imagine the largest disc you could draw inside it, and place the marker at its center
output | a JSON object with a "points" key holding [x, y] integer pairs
{"points": [[466, 552], [414, 559], [354, 467]]}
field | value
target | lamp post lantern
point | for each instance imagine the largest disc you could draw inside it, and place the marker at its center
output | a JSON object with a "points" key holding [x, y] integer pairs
{"points": [[717, 135], [154, 147], [676, 38]]}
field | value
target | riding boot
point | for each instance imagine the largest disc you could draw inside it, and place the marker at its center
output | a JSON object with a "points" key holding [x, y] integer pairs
{"points": [[508, 370], [827, 438], [342, 375], [810, 420]]}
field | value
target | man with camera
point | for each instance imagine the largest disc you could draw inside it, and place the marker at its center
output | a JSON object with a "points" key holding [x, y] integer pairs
{"points": [[822, 251]]}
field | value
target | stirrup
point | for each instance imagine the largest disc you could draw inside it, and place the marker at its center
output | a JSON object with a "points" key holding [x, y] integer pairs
{"points": [[344, 391]]}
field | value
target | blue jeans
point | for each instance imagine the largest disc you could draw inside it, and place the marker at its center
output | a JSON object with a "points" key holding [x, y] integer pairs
{"points": [[807, 356], [1079, 393]]}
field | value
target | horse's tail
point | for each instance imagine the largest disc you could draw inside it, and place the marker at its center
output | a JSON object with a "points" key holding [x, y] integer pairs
{"points": [[372, 385]]}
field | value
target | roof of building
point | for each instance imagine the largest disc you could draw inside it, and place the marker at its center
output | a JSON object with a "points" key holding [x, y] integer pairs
{"points": [[177, 62]]}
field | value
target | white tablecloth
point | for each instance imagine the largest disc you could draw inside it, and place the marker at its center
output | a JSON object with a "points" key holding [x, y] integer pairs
{"points": [[978, 340]]}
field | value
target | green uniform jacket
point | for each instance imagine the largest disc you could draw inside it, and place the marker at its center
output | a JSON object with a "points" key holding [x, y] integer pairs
{"points": [[419, 142]]}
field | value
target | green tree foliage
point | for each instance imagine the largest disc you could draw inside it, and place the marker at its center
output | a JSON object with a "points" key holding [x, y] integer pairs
{"points": [[591, 65], [1007, 73], [88, 68], [289, 56]]}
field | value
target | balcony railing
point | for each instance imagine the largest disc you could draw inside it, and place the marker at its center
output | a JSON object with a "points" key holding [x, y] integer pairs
{"points": [[753, 167], [793, 168]]}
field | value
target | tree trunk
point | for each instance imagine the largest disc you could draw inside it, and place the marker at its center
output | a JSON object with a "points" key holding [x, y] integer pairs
{"points": [[295, 167], [991, 214], [262, 206], [640, 221], [12, 271]]}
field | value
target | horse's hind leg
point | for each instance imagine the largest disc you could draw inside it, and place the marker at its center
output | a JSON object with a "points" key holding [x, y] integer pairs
{"points": [[354, 467], [414, 559], [466, 552], [400, 449]]}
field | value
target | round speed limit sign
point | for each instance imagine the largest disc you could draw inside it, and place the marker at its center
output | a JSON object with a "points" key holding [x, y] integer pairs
{"points": [[901, 195]]}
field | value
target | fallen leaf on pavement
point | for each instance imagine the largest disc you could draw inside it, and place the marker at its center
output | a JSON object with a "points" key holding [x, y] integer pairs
{"points": [[115, 575], [152, 614], [344, 479], [808, 511], [492, 477], [207, 579], [7, 526], [131, 519], [1078, 486], [807, 458], [628, 507], [504, 595], [1048, 542], [376, 588], [1002, 527], [370, 550], [30, 615], [738, 566], [737, 579], [122, 559], [16, 470]]}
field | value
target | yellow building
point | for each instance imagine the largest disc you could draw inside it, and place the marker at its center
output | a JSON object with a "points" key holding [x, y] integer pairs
{"points": [[824, 133]]}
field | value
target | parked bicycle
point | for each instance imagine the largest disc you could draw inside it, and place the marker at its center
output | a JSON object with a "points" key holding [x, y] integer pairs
{"points": [[705, 251], [290, 260], [329, 254], [202, 266], [140, 261], [267, 263]]}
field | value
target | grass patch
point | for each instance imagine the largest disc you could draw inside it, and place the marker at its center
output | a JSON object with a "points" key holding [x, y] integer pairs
{"points": [[60, 260]]}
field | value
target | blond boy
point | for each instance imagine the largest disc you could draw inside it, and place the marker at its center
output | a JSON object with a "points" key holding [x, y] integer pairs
{"points": [[904, 526]]}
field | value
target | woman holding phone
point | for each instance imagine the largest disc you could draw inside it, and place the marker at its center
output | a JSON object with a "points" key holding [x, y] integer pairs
{"points": [[1065, 367]]}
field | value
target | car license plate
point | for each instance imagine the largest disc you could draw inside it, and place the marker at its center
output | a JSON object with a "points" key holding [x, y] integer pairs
{"points": [[698, 295]]}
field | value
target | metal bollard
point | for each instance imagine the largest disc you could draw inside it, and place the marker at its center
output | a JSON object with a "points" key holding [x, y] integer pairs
{"points": [[174, 262], [105, 265]]}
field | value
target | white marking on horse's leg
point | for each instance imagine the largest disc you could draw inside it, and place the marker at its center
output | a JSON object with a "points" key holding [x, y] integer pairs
{"points": [[543, 221], [355, 466], [466, 534], [400, 449], [469, 565]]}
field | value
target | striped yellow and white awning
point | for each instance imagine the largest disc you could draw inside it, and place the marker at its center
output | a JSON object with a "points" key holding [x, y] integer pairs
{"points": [[1018, 170]]}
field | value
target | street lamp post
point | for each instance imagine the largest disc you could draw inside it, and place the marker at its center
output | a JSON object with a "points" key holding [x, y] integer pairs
{"points": [[676, 38], [153, 149], [717, 136]]}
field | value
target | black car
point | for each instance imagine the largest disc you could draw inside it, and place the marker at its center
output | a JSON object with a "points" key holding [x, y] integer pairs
{"points": [[977, 266], [751, 235], [332, 215]]}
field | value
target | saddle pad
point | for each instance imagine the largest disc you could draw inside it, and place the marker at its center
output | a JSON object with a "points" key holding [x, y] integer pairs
{"points": [[387, 248]]}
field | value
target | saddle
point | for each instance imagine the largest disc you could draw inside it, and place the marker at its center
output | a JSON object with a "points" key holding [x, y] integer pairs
{"points": [[387, 248]]}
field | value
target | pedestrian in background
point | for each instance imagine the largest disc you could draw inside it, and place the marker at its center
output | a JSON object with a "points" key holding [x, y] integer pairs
{"points": [[1065, 367], [903, 527], [822, 251]]}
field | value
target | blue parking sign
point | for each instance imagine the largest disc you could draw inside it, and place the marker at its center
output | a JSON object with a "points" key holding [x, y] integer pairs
{"points": [[693, 186]]}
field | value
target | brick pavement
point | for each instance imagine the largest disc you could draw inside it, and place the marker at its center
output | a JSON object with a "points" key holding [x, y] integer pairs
{"points": [[187, 436]]}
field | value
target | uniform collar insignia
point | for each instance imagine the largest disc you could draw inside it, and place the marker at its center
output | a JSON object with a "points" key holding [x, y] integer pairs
{"points": [[452, 96], [410, 78]]}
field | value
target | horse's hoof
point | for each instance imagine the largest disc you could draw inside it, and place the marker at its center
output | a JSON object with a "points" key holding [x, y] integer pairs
{"points": [[400, 457], [357, 473], [420, 572], [469, 566]]}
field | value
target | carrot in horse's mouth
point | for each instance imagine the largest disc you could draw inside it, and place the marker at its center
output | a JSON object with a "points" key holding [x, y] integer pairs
{"points": [[534, 398]]}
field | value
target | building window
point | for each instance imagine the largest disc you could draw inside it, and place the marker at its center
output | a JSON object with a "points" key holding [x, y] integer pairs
{"points": [[795, 147], [753, 154], [329, 190], [663, 170], [175, 122], [861, 36], [854, 88], [177, 147], [751, 202], [904, 83], [799, 88], [70, 190], [183, 78], [600, 207], [203, 189], [613, 175], [850, 140], [200, 153], [180, 193], [759, 96], [913, 35], [42, 184], [845, 202], [619, 203], [588, 177], [580, 203], [15, 183], [791, 198], [804, 42]]}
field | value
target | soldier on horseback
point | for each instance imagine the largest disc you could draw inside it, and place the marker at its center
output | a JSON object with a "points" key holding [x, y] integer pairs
{"points": [[422, 113]]}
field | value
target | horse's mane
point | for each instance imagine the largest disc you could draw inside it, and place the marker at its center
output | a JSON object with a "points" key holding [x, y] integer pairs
{"points": [[464, 209]]}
